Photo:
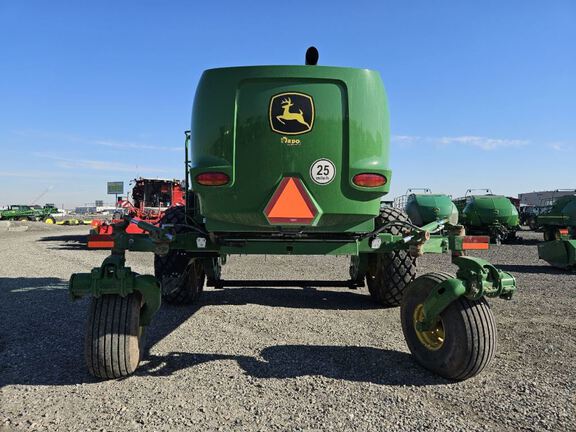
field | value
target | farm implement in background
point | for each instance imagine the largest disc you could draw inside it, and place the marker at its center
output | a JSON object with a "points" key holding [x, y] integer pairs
{"points": [[150, 199], [559, 227], [424, 207], [489, 214], [21, 212]]}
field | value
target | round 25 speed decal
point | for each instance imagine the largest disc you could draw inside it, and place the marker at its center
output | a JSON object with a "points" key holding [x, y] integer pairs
{"points": [[322, 171]]}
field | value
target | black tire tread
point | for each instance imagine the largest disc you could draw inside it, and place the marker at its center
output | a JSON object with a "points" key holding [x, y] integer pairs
{"points": [[396, 269], [478, 316], [109, 329]]}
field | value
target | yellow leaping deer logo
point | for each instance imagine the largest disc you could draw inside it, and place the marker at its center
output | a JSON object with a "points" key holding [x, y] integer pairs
{"points": [[287, 115], [291, 113]]}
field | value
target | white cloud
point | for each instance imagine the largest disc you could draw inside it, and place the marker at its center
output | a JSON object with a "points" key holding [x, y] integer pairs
{"points": [[98, 165], [32, 174], [131, 145], [116, 144], [405, 140], [483, 143], [560, 146]]}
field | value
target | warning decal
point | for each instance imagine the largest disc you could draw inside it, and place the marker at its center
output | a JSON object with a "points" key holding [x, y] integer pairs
{"points": [[290, 204]]}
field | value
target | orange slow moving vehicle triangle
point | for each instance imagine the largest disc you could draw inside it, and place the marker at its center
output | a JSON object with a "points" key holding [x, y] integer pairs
{"points": [[290, 204]]}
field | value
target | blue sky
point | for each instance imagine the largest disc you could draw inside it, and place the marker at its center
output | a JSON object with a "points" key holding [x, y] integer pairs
{"points": [[482, 94]]}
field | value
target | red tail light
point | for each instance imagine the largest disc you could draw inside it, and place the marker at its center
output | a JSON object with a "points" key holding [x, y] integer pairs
{"points": [[212, 179], [369, 180]]}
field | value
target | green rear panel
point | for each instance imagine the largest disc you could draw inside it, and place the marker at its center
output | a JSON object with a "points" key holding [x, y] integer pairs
{"points": [[489, 209], [562, 213], [558, 253], [232, 133]]}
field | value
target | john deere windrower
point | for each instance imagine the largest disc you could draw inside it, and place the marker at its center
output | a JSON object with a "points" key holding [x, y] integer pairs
{"points": [[294, 160]]}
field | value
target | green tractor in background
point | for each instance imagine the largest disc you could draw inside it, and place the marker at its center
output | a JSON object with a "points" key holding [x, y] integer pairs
{"points": [[21, 212], [559, 227], [46, 213], [424, 207], [293, 160], [18, 212], [489, 214]]}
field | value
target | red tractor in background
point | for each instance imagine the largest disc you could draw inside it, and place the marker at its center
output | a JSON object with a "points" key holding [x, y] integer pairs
{"points": [[150, 199]]}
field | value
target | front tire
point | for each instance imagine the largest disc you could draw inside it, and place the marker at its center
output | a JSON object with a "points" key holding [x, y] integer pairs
{"points": [[388, 274], [49, 220], [462, 343], [113, 341]]}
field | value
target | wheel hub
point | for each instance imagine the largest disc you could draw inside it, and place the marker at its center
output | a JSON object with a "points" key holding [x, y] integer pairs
{"points": [[432, 339]]}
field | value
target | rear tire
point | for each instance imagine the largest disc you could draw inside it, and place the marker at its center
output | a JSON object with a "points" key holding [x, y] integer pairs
{"points": [[113, 342], [464, 340], [388, 274], [551, 234], [181, 277], [49, 220]]}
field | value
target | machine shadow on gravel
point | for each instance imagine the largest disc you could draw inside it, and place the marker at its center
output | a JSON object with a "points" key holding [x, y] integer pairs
{"points": [[40, 333], [529, 242], [39, 347], [66, 242], [530, 268], [362, 364], [297, 298], [358, 364]]}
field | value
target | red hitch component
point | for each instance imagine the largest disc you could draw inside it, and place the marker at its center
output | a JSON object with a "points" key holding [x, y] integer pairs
{"points": [[475, 242], [563, 231], [212, 179], [369, 180], [100, 241]]}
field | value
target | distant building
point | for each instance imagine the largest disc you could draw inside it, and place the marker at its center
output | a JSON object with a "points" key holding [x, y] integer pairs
{"points": [[544, 197], [85, 210], [106, 209]]}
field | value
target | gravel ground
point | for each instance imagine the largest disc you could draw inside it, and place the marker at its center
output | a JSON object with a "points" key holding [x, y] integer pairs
{"points": [[276, 358]]}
